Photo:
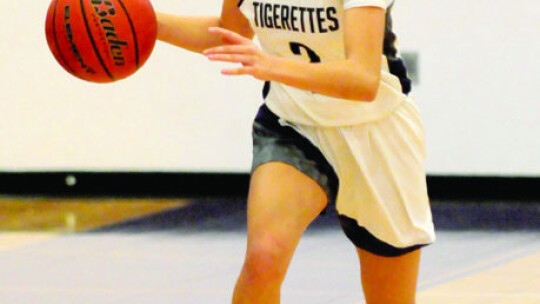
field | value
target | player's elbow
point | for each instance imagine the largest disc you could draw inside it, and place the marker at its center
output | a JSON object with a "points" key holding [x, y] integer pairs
{"points": [[370, 92], [366, 89]]}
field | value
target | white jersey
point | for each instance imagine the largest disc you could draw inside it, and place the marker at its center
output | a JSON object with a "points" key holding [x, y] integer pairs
{"points": [[313, 31]]}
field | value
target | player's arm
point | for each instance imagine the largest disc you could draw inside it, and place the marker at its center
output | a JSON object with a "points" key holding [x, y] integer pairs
{"points": [[191, 32], [355, 78]]}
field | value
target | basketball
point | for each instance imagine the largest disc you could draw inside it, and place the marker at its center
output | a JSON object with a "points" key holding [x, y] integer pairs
{"points": [[101, 40]]}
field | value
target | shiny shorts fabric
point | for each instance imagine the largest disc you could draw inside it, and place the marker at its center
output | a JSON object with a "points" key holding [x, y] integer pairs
{"points": [[275, 140]]}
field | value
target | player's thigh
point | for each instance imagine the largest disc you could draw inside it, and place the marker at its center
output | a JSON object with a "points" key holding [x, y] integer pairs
{"points": [[282, 202], [389, 280]]}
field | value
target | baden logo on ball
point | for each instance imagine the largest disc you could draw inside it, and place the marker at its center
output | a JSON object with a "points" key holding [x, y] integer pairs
{"points": [[101, 40]]}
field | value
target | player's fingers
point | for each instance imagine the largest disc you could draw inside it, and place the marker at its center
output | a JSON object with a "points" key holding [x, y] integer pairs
{"points": [[235, 58], [237, 71], [230, 49], [227, 36]]}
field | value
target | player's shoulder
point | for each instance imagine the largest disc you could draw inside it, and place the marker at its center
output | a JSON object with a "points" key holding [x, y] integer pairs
{"points": [[358, 3]]}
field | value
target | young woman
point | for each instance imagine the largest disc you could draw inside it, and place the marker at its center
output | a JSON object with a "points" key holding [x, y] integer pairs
{"points": [[336, 126]]}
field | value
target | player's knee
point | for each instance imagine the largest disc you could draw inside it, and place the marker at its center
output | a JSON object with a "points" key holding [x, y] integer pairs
{"points": [[266, 261]]}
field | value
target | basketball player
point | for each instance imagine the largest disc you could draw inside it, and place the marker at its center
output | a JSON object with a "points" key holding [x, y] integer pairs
{"points": [[336, 126]]}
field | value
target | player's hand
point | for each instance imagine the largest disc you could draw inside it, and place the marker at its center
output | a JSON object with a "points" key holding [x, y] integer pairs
{"points": [[238, 49]]}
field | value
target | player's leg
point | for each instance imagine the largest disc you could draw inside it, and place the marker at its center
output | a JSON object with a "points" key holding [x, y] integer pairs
{"points": [[383, 202], [389, 274], [282, 203], [389, 280]]}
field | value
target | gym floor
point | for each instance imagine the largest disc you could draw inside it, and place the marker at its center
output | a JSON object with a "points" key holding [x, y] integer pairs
{"points": [[140, 251]]}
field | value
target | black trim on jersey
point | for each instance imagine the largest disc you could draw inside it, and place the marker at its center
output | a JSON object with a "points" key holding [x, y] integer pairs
{"points": [[240, 3], [397, 68], [395, 63], [266, 89]]}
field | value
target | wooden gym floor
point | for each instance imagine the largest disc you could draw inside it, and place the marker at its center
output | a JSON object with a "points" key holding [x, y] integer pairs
{"points": [[190, 251]]}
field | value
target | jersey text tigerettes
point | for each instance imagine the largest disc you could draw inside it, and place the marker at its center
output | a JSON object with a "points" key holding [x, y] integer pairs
{"points": [[311, 30]]}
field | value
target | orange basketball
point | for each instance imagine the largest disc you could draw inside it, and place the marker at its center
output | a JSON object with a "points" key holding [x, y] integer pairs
{"points": [[101, 40]]}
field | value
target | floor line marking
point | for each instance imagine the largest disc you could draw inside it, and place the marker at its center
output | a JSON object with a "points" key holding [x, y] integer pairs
{"points": [[516, 281], [471, 269]]}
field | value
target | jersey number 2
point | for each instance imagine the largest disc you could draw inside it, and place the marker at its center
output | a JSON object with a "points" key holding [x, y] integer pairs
{"points": [[296, 48]]}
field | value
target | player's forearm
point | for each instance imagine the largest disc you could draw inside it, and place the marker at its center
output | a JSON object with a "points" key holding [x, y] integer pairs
{"points": [[190, 33], [342, 79]]}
